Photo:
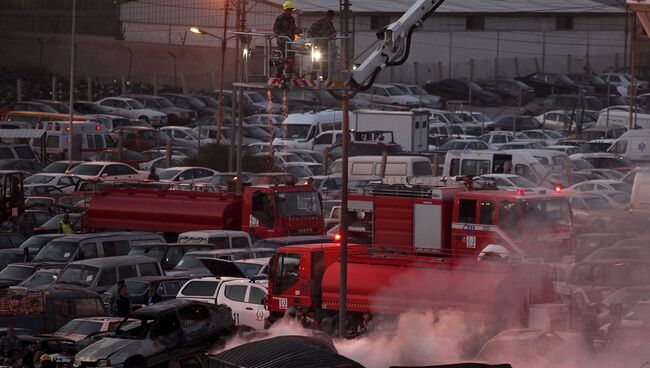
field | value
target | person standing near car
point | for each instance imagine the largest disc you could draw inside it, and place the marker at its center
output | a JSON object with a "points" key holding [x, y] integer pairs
{"points": [[123, 302], [65, 227], [152, 297], [10, 346]]}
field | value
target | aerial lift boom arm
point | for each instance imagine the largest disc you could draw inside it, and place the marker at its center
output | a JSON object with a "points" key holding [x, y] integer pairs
{"points": [[395, 44]]}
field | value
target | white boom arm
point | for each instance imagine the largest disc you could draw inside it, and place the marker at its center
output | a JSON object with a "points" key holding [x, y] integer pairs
{"points": [[396, 43]]}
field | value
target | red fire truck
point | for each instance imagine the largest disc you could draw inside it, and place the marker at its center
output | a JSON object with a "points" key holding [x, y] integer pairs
{"points": [[429, 252], [262, 211]]}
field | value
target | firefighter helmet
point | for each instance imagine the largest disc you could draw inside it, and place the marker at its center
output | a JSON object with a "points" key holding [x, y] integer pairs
{"points": [[288, 5]]}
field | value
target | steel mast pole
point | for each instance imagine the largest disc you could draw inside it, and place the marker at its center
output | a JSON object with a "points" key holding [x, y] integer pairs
{"points": [[72, 57], [345, 12]]}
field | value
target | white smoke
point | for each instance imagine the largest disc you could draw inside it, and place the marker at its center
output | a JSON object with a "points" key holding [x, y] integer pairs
{"points": [[419, 338]]}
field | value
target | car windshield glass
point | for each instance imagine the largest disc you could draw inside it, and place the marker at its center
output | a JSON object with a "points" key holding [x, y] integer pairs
{"points": [[622, 187], [136, 104], [168, 174], [56, 251], [190, 261], [298, 204], [208, 101], [597, 203], [163, 102], [34, 242], [521, 182], [40, 278], [394, 91], [456, 130], [564, 79], [87, 169], [195, 102], [80, 275], [594, 147], [581, 164], [80, 327], [521, 84], [256, 97], [294, 131], [299, 171], [546, 213], [16, 273], [620, 197], [39, 179], [453, 118], [417, 90], [475, 87], [156, 252], [256, 133], [249, 269]]}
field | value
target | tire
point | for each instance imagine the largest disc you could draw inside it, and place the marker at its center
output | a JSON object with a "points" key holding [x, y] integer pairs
{"points": [[144, 118], [135, 363]]}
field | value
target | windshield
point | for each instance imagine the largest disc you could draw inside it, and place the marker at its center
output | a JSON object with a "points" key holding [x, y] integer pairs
{"points": [[594, 147], [285, 273], [87, 169], [39, 179], [191, 261], [255, 97], [35, 242], [620, 197], [56, 251], [622, 187], [157, 252], [135, 104], [249, 269], [546, 213], [481, 118], [298, 204], [581, 164], [81, 327], [394, 91], [299, 171], [256, 133], [163, 102], [417, 90], [456, 130], [80, 275], [40, 278], [453, 118], [208, 101], [294, 131], [168, 174], [597, 203], [518, 181], [15, 272]]}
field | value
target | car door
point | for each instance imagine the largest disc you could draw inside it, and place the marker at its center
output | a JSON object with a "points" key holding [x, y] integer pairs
{"points": [[254, 312], [109, 104], [124, 172], [121, 108], [381, 95], [322, 141], [235, 298]]}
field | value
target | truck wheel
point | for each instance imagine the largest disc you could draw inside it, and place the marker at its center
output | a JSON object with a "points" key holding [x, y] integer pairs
{"points": [[135, 363]]}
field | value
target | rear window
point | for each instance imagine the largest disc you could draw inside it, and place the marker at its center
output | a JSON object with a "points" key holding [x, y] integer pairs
{"points": [[200, 288], [149, 269], [25, 152], [422, 168]]}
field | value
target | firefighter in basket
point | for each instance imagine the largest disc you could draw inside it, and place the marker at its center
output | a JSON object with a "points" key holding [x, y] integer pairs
{"points": [[286, 31], [322, 32]]}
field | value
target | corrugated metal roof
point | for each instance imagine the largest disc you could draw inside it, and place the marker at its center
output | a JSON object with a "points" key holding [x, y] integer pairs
{"points": [[468, 6], [21, 133], [283, 352]]}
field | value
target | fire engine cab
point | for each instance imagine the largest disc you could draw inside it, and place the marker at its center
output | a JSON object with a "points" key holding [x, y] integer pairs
{"points": [[452, 219]]}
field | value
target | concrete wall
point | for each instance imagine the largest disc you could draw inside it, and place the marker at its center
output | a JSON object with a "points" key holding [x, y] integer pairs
{"points": [[106, 59]]}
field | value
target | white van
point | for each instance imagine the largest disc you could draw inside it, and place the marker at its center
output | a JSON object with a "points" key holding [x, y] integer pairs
{"points": [[640, 199], [94, 138], [477, 163], [622, 118], [360, 167], [554, 161], [221, 239], [301, 129], [634, 145]]}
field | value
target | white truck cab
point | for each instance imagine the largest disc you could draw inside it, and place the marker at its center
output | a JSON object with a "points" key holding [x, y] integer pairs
{"points": [[301, 129], [244, 297]]}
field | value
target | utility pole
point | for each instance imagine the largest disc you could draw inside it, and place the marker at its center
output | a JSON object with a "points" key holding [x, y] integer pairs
{"points": [[72, 57], [632, 90], [222, 73], [240, 27], [345, 51]]}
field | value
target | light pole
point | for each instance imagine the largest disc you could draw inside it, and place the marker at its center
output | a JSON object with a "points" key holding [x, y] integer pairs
{"points": [[72, 56], [224, 41]]}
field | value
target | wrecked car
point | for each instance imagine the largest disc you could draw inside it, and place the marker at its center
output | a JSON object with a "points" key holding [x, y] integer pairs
{"points": [[160, 333]]}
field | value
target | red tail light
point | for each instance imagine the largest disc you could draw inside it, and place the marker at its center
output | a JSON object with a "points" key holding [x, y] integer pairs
{"points": [[558, 189]]}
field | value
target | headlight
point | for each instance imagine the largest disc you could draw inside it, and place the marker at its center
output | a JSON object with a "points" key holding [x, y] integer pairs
{"points": [[104, 363]]}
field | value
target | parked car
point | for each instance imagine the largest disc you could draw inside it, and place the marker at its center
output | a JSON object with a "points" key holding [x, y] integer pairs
{"points": [[512, 92], [60, 167], [25, 165], [99, 274], [606, 161], [564, 102], [175, 114], [203, 112], [162, 332], [185, 136], [519, 123], [81, 328], [89, 108], [550, 136], [599, 85], [107, 171], [623, 82], [185, 174], [15, 273], [243, 297], [458, 89], [65, 182], [546, 84], [166, 286], [608, 185], [141, 138], [426, 99], [389, 95], [133, 109]]}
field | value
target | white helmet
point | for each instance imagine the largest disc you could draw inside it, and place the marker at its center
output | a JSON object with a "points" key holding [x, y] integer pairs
{"points": [[494, 252]]}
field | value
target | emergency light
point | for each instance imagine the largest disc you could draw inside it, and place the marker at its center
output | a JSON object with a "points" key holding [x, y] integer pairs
{"points": [[337, 237]]}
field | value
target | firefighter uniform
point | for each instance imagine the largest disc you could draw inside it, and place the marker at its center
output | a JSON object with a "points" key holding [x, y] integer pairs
{"points": [[286, 29]]}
